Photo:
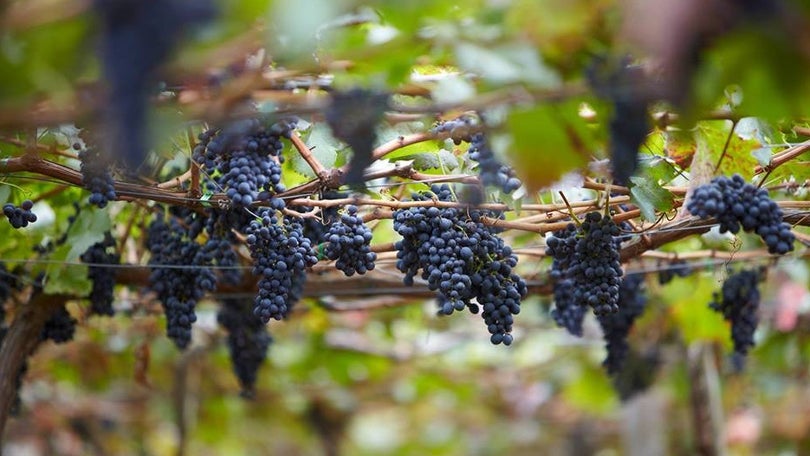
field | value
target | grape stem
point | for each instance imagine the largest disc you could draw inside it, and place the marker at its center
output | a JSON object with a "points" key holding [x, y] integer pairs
{"points": [[570, 210], [725, 146], [306, 154]]}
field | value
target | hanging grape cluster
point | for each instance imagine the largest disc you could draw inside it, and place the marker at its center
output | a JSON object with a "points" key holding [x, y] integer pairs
{"points": [[96, 176], [281, 254], [737, 204], [181, 274], [244, 159], [589, 259], [616, 326], [462, 259], [349, 244], [21, 216], [103, 278], [491, 170], [248, 340], [738, 301]]}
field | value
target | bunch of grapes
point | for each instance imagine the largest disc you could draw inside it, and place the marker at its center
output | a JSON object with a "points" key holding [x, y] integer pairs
{"points": [[248, 340], [593, 268], [738, 301], [244, 159], [460, 128], [281, 253], [219, 226], [181, 274], [349, 244], [735, 203], [462, 259], [623, 85], [59, 327], [491, 171], [317, 228], [567, 313], [103, 278], [20, 217], [96, 175], [616, 326], [136, 38]]}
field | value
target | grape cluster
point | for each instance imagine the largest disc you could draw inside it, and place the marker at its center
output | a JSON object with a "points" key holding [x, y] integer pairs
{"points": [[460, 128], [462, 259], [103, 278], [248, 340], [281, 253], [638, 372], [353, 116], [96, 175], [491, 171], [623, 86], [677, 268], [180, 274], [737, 204], [244, 159], [349, 244], [219, 226], [616, 326], [20, 217], [136, 38], [567, 312], [59, 327], [317, 228], [590, 260], [738, 301]]}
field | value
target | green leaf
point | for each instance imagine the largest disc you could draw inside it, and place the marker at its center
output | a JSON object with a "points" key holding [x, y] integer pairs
{"points": [[711, 137], [649, 197], [441, 160], [89, 228], [506, 64], [547, 142], [66, 278], [323, 146]]}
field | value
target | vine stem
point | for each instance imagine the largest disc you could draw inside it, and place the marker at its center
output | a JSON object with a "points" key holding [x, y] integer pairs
{"points": [[306, 154], [19, 343], [573, 215], [782, 157], [194, 170], [725, 146]]}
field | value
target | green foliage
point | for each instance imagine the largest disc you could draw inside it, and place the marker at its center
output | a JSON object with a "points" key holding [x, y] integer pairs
{"points": [[365, 362]]}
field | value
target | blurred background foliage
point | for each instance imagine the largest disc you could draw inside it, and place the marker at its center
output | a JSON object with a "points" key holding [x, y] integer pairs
{"points": [[395, 379]]}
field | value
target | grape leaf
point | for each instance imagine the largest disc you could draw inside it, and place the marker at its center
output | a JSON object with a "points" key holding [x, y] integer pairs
{"points": [[66, 278], [441, 159], [548, 141], [649, 197], [88, 229]]}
